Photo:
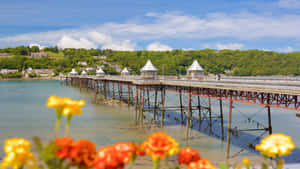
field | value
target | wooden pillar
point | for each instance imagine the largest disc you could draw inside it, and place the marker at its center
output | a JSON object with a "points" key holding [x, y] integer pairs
{"points": [[229, 130], [105, 93], [108, 89], [142, 107], [269, 120], [162, 107], [221, 116], [188, 114], [209, 111], [119, 90], [113, 90], [181, 108], [136, 102], [148, 99], [155, 104], [199, 109], [128, 98]]}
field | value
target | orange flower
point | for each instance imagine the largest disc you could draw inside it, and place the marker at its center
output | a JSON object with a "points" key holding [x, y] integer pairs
{"points": [[125, 151], [83, 153], [201, 164], [107, 158], [159, 145], [187, 155], [64, 146]]}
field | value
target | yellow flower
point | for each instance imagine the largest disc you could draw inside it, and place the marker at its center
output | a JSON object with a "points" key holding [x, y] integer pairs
{"points": [[56, 102], [18, 154], [276, 145], [246, 162], [75, 110]]}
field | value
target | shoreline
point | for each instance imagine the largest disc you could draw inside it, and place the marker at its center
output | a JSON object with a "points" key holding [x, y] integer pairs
{"points": [[31, 79]]}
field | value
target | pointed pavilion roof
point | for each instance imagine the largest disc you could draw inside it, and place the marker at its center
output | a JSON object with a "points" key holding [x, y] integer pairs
{"points": [[73, 72], [125, 70], [195, 67], [83, 73], [148, 67], [99, 71]]}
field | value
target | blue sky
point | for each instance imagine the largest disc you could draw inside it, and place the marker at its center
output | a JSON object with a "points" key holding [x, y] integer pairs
{"points": [[152, 24]]}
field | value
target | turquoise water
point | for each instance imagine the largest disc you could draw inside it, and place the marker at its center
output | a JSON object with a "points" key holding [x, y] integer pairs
{"points": [[23, 114]]}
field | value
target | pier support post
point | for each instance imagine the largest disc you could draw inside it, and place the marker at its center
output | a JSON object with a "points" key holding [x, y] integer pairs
{"points": [[142, 107], [199, 109], [209, 110], [128, 98], [188, 114], [229, 130], [113, 90], [181, 108], [269, 120], [221, 116], [162, 106], [155, 104], [136, 102], [148, 99]]}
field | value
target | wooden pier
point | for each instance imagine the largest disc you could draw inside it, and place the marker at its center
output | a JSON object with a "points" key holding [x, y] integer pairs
{"points": [[150, 96]]}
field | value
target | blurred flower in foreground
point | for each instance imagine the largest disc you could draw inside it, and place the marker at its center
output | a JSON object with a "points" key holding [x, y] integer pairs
{"points": [[64, 146], [116, 156], [18, 154], [67, 107], [159, 145], [276, 145], [201, 164], [187, 155], [83, 153]]}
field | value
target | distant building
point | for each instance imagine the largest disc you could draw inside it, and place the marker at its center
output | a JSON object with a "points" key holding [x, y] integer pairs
{"points": [[82, 63], [43, 72], [116, 67], [6, 71], [89, 69], [149, 71], [100, 57], [38, 54], [195, 70], [4, 55], [102, 61]]}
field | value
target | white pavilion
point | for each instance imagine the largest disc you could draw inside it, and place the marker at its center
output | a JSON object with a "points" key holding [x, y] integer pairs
{"points": [[149, 71], [100, 72], [73, 73], [125, 72], [195, 70], [83, 73]]}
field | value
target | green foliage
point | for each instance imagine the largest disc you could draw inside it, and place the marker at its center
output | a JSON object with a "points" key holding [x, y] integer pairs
{"points": [[231, 62], [32, 75], [35, 49], [12, 75]]}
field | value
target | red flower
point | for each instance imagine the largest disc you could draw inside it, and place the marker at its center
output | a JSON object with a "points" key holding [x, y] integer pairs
{"points": [[201, 164], [107, 158], [83, 153], [64, 146], [125, 151], [187, 155], [116, 156]]}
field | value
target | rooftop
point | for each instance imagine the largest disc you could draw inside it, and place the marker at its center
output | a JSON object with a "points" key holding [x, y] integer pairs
{"points": [[148, 67]]}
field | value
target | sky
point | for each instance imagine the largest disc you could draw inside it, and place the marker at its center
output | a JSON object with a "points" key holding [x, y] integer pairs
{"points": [[155, 25]]}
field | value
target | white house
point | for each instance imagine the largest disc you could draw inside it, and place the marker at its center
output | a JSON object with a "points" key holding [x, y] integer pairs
{"points": [[83, 73]]}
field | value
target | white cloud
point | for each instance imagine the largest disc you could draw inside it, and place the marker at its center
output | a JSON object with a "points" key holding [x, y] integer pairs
{"points": [[286, 50], [156, 46], [122, 36], [231, 46], [264, 49], [68, 42], [291, 4]]}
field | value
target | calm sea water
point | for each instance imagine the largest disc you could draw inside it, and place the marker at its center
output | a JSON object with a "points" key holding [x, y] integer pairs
{"points": [[23, 114]]}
